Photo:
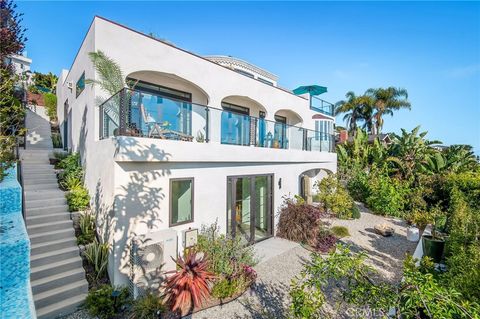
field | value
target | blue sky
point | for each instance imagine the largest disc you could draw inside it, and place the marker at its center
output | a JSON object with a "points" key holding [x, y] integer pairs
{"points": [[430, 48]]}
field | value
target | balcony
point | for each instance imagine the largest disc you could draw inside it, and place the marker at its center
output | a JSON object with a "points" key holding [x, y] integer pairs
{"points": [[139, 114], [321, 106]]}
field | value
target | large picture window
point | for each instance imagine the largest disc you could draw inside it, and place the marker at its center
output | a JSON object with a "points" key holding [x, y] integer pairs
{"points": [[80, 85], [181, 201]]}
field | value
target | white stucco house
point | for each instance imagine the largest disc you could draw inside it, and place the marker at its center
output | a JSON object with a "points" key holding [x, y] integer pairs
{"points": [[190, 141]]}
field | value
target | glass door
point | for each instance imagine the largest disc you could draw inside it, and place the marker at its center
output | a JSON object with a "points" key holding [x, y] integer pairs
{"points": [[249, 207]]}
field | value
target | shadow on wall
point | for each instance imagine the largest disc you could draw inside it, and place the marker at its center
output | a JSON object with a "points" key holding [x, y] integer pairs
{"points": [[135, 208]]}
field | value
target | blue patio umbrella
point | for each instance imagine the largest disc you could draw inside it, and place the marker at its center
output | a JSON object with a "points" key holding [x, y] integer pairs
{"points": [[312, 89]]}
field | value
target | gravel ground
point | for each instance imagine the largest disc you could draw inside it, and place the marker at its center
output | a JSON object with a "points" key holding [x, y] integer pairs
{"points": [[268, 298], [386, 254]]}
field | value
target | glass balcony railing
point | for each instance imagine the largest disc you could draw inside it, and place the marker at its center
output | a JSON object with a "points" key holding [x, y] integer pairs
{"points": [[321, 106], [135, 113]]}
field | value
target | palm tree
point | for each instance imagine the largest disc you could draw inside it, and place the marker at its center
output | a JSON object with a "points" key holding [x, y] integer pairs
{"points": [[356, 108], [110, 75], [385, 102], [111, 80]]}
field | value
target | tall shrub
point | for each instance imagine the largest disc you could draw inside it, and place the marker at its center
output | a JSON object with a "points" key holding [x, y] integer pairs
{"points": [[51, 105], [388, 196], [335, 198]]}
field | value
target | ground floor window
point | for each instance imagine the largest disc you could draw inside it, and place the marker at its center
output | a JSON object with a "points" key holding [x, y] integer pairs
{"points": [[181, 201]]}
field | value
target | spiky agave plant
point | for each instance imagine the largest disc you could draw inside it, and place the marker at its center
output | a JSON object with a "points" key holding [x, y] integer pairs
{"points": [[188, 287]]}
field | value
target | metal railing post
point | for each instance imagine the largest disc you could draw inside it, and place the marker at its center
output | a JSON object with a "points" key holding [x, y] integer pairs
{"points": [[101, 132], [122, 123], [207, 124]]}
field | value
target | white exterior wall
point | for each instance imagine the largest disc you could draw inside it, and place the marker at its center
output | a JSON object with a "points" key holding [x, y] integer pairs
{"points": [[128, 178]]}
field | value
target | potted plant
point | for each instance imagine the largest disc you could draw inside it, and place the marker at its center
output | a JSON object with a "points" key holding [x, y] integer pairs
{"points": [[434, 243]]}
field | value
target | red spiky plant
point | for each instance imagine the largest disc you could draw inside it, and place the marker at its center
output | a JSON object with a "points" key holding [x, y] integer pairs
{"points": [[188, 287]]}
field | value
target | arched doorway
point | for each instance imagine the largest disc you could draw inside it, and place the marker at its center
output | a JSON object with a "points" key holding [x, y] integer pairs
{"points": [[286, 131], [242, 121], [167, 106]]}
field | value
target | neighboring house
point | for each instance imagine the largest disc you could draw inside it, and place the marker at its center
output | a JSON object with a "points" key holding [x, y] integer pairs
{"points": [[21, 65], [190, 143]]}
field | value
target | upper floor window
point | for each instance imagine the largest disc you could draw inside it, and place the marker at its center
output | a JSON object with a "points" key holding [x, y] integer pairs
{"points": [[80, 85], [250, 75], [265, 81], [323, 129]]}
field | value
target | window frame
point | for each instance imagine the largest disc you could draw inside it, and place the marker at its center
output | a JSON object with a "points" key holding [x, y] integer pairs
{"points": [[170, 197], [77, 94]]}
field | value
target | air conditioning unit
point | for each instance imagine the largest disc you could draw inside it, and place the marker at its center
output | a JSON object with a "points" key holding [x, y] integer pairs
{"points": [[150, 257], [70, 85]]}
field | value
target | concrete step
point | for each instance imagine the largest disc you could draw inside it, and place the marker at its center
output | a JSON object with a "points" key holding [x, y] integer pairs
{"points": [[40, 174], [53, 245], [42, 194], [49, 226], [35, 203], [37, 165], [53, 256], [47, 218], [62, 293], [42, 181], [61, 308], [46, 185], [30, 211], [56, 267], [57, 280], [51, 235]]}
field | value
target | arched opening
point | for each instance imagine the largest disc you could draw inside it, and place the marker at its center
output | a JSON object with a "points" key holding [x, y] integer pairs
{"points": [[308, 181], [167, 106], [242, 121], [286, 131]]}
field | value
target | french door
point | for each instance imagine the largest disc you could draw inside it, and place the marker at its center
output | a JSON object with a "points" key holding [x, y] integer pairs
{"points": [[249, 207]]}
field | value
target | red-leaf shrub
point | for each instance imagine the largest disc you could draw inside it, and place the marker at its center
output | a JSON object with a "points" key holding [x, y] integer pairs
{"points": [[325, 241], [299, 221], [188, 287]]}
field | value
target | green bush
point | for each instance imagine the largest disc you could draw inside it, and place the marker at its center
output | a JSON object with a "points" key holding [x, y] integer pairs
{"points": [[50, 105], [69, 162], [97, 256], [334, 197], [357, 185], [340, 231], [387, 195], [71, 181], [57, 140], [149, 306], [356, 212], [225, 288], [71, 167], [102, 303], [87, 229], [78, 199], [60, 155], [225, 254], [347, 278]]}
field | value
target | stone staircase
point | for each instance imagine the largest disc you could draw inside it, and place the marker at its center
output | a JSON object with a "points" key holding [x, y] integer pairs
{"points": [[57, 275]]}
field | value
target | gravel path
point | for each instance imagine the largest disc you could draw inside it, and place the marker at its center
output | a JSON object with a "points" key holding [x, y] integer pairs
{"points": [[386, 254], [268, 298]]}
